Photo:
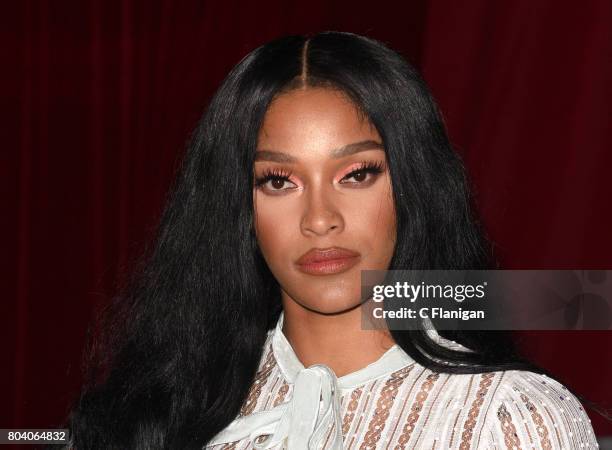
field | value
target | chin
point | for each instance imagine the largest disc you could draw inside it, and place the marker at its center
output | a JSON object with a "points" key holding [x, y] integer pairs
{"points": [[330, 306]]}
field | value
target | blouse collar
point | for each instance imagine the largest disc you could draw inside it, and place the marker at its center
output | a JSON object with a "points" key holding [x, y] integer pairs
{"points": [[303, 421], [393, 359]]}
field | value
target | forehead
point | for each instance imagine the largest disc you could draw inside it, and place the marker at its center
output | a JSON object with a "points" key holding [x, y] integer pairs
{"points": [[313, 119]]}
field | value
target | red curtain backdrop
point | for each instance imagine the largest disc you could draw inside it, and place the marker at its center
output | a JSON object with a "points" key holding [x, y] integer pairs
{"points": [[99, 97]]}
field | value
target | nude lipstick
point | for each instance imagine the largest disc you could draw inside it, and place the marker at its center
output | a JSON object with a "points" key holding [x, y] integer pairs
{"points": [[327, 261]]}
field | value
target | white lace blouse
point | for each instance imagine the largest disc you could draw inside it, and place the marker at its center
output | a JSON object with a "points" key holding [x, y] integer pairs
{"points": [[395, 403]]}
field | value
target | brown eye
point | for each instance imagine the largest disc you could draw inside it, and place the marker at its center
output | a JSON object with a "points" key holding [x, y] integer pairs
{"points": [[361, 175], [277, 183], [274, 182]]}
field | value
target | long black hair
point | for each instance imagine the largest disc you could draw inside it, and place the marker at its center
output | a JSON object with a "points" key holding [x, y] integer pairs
{"points": [[183, 340]]}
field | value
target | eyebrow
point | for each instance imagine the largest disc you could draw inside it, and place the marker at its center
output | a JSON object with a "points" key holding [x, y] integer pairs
{"points": [[349, 149]]}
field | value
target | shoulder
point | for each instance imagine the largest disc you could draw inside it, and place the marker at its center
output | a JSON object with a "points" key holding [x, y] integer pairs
{"points": [[527, 410], [502, 409]]}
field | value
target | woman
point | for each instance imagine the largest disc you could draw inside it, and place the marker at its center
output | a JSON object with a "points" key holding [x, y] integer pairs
{"points": [[317, 158]]}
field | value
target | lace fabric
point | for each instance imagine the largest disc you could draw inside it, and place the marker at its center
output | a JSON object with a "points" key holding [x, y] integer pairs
{"points": [[396, 403]]}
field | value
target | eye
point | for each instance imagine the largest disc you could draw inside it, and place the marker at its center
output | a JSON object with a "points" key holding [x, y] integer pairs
{"points": [[276, 179], [360, 175]]}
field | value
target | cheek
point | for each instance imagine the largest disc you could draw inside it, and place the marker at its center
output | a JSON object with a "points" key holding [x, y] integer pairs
{"points": [[379, 230], [375, 218], [388, 218], [273, 228]]}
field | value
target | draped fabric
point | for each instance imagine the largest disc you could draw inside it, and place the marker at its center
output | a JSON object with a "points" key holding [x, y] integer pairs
{"points": [[99, 97]]}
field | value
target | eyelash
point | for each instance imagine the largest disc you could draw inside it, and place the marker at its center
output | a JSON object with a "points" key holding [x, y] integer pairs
{"points": [[374, 167]]}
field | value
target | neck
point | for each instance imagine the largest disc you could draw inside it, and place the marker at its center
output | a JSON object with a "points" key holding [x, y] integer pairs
{"points": [[337, 340]]}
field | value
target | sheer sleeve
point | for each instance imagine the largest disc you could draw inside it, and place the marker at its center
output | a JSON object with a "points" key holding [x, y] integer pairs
{"points": [[534, 411]]}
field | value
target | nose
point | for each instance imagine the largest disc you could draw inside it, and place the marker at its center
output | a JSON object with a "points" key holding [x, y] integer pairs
{"points": [[321, 215]]}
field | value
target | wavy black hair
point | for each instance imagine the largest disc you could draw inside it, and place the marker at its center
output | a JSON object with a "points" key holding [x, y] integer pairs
{"points": [[183, 340]]}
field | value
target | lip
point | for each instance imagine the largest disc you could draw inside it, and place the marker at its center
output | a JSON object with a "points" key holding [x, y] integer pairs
{"points": [[327, 261]]}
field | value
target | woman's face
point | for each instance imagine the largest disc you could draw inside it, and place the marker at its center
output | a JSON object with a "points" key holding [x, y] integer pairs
{"points": [[321, 181]]}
